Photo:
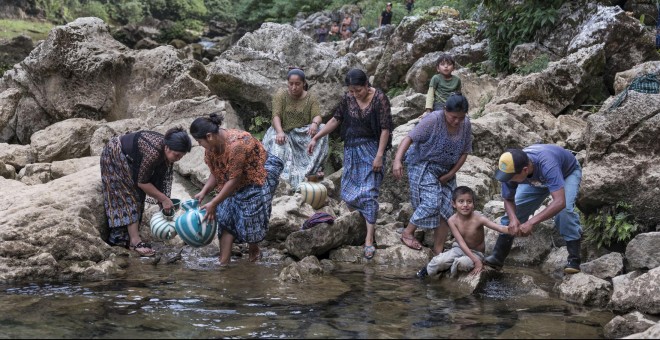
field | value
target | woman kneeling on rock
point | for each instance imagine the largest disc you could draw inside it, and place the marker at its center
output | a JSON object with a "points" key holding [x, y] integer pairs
{"points": [[133, 166], [244, 176]]}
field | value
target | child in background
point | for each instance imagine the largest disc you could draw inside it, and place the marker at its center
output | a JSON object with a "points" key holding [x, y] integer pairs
{"points": [[442, 84], [467, 226]]}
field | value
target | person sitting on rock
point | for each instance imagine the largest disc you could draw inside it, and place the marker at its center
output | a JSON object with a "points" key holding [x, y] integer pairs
{"points": [[467, 226], [528, 177], [133, 166], [346, 33], [296, 119]]}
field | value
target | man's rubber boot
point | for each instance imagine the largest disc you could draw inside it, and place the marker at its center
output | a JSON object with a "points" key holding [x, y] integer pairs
{"points": [[422, 273], [500, 252], [573, 265]]}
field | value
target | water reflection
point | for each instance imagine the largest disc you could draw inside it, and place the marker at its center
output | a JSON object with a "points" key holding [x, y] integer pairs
{"points": [[247, 300]]}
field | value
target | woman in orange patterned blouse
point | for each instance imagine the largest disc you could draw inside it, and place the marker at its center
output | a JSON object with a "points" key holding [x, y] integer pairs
{"points": [[245, 177]]}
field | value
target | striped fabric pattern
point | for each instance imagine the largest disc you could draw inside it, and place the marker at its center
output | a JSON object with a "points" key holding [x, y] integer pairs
{"points": [[430, 200], [122, 200], [360, 185], [190, 227], [297, 162], [162, 227], [313, 194], [245, 214]]}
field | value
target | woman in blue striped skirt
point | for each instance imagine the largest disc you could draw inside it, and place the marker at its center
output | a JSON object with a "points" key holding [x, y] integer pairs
{"points": [[439, 145], [245, 177], [365, 118]]}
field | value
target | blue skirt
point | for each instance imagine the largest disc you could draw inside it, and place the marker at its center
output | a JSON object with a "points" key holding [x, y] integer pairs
{"points": [[360, 185], [430, 199], [245, 214]]}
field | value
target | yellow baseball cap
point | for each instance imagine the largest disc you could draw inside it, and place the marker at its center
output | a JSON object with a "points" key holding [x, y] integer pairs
{"points": [[511, 163]]}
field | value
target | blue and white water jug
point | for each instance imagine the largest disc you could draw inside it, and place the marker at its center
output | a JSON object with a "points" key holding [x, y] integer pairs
{"points": [[190, 227], [162, 224]]}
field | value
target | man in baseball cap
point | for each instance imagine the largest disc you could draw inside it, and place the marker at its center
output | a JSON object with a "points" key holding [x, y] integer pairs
{"points": [[528, 177]]}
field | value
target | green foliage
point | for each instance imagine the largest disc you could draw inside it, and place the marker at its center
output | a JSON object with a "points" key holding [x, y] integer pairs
{"points": [[126, 12], [92, 9], [395, 91], [259, 125], [10, 28], [609, 225], [539, 64], [508, 25]]}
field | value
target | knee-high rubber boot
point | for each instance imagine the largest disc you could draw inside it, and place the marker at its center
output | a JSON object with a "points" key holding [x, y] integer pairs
{"points": [[500, 252], [573, 265]]}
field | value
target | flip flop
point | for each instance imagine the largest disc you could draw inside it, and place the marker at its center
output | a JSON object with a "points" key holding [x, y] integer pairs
{"points": [[411, 242], [369, 252]]}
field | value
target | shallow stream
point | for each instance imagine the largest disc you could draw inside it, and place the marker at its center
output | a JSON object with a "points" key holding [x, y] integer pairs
{"points": [[195, 298]]}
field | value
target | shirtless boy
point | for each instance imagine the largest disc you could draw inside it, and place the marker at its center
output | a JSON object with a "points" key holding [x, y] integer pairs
{"points": [[467, 226]]}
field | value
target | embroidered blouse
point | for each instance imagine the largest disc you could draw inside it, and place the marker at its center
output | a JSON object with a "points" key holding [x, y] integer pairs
{"points": [[295, 113], [358, 124], [243, 155], [432, 141]]}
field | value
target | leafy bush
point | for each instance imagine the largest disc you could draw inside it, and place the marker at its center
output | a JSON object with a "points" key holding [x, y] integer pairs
{"points": [[508, 25], [126, 12], [92, 9], [395, 91], [610, 225], [539, 64]]}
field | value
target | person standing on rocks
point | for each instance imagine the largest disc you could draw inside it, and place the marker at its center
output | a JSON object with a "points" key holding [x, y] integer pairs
{"points": [[245, 177], [385, 16], [365, 117], [296, 119], [439, 145], [133, 166], [528, 177]]}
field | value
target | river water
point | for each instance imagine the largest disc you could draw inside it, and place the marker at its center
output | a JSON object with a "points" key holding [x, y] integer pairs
{"points": [[195, 298]]}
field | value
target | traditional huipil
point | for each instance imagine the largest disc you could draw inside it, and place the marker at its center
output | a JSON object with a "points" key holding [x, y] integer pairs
{"points": [[360, 131], [433, 153], [296, 116], [126, 161], [245, 213]]}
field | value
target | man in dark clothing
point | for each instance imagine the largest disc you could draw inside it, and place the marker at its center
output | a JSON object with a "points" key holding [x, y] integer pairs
{"points": [[386, 15]]}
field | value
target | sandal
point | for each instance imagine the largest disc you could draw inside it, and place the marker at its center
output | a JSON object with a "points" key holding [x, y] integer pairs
{"points": [[369, 252], [141, 245], [411, 242]]}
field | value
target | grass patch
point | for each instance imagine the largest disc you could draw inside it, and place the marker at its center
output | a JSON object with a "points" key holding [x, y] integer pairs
{"points": [[34, 29]]}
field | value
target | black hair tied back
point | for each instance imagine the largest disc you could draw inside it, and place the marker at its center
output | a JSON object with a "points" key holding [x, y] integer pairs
{"points": [[177, 140], [456, 103], [204, 125]]}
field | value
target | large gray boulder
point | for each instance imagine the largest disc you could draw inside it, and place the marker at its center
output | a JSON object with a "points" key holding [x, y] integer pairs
{"points": [[347, 229], [583, 25], [63, 140], [621, 162], [637, 291], [605, 267], [54, 231], [628, 324], [250, 72], [642, 252], [585, 289]]}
